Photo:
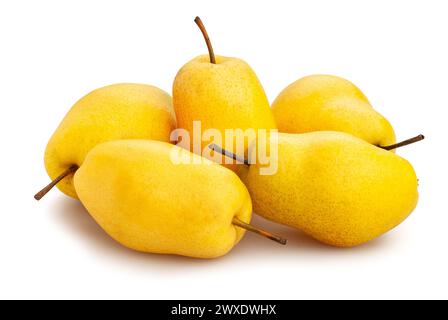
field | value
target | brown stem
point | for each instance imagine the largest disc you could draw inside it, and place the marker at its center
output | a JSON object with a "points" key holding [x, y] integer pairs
{"points": [[207, 39], [53, 183], [418, 138], [237, 222], [229, 154]]}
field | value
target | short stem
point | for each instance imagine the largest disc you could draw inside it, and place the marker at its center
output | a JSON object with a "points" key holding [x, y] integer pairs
{"points": [[237, 222], [418, 138], [228, 154], [53, 183], [207, 39]]}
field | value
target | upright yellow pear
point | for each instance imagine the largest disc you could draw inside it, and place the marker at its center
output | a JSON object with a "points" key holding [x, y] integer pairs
{"points": [[120, 111], [154, 197], [221, 93], [330, 103], [335, 187]]}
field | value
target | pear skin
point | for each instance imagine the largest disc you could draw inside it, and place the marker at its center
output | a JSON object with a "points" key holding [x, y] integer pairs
{"points": [[149, 203], [226, 95], [335, 187], [330, 103], [120, 111]]}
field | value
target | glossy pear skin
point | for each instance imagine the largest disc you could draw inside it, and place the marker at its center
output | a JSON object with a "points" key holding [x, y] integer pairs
{"points": [[120, 111], [330, 103], [335, 187], [225, 95], [148, 203]]}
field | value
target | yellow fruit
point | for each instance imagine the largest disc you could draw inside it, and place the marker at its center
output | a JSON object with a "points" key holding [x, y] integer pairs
{"points": [[121, 111], [335, 187], [148, 203], [330, 103], [222, 95]]}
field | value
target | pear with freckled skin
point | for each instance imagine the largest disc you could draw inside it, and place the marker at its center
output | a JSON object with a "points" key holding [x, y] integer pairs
{"points": [[335, 187], [120, 111], [155, 197], [330, 103]]}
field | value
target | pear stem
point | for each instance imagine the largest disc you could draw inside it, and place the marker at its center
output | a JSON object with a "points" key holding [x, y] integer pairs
{"points": [[229, 154], [237, 222], [418, 138], [53, 183], [207, 39]]}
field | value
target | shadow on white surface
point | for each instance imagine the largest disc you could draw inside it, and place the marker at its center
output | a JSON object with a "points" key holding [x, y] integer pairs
{"points": [[301, 246], [253, 249]]}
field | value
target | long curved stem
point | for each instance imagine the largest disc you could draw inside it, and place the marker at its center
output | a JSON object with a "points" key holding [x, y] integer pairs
{"points": [[207, 39]]}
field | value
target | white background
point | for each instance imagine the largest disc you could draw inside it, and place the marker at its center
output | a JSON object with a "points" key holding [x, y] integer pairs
{"points": [[54, 52]]}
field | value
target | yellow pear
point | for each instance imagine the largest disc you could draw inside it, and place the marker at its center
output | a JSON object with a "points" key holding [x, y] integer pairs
{"points": [[155, 197], [335, 187], [330, 103], [120, 111], [223, 94]]}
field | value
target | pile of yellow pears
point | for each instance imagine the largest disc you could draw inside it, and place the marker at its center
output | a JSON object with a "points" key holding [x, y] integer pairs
{"points": [[338, 177]]}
